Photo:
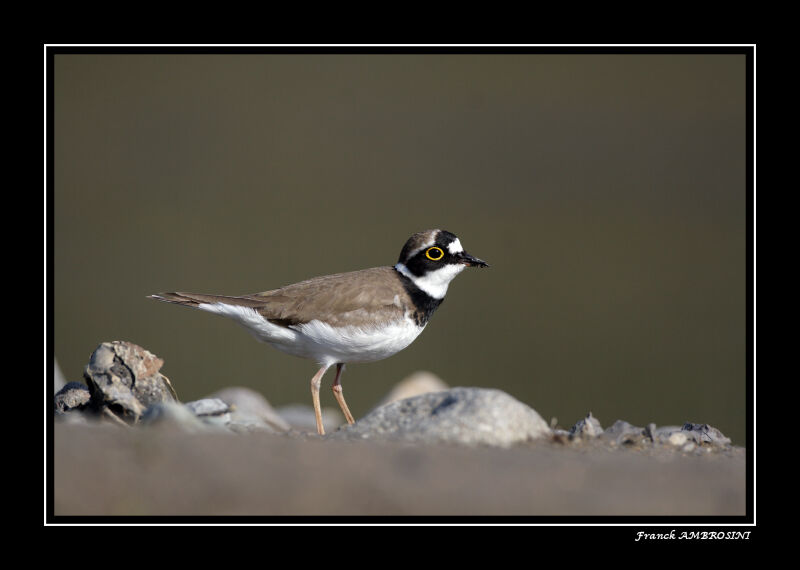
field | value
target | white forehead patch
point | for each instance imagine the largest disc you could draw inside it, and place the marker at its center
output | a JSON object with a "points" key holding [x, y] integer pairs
{"points": [[455, 246]]}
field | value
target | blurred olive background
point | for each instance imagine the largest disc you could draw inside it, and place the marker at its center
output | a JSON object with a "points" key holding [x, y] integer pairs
{"points": [[608, 192]]}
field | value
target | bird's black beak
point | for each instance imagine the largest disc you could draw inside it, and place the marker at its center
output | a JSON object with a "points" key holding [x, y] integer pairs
{"points": [[470, 261]]}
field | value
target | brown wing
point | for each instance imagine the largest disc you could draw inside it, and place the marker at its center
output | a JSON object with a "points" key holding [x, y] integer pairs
{"points": [[355, 299]]}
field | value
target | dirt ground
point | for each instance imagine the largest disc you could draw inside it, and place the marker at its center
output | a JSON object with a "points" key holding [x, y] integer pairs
{"points": [[105, 470]]}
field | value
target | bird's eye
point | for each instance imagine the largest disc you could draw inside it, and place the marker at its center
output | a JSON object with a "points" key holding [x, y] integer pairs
{"points": [[434, 253]]}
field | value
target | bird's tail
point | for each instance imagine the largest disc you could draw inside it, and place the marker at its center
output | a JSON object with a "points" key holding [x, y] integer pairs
{"points": [[195, 299]]}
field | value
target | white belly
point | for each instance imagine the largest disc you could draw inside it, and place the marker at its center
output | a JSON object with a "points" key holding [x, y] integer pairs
{"points": [[321, 342], [354, 344]]}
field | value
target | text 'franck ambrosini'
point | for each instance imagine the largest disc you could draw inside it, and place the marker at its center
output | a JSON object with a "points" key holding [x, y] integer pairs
{"points": [[694, 535]]}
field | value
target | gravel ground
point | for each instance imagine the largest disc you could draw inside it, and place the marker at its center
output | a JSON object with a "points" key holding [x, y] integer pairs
{"points": [[101, 469]]}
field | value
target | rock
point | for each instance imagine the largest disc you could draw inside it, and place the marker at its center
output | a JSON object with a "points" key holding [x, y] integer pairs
{"points": [[561, 435], [211, 410], [704, 434], [418, 383], [623, 433], [677, 439], [250, 411], [73, 396], [587, 427], [664, 434], [301, 417], [687, 437], [467, 416], [173, 415], [124, 379], [208, 407]]}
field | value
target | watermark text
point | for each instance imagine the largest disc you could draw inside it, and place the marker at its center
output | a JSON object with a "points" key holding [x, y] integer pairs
{"points": [[694, 535]]}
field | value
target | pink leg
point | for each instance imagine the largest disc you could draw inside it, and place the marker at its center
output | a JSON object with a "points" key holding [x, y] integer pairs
{"points": [[339, 395], [315, 382]]}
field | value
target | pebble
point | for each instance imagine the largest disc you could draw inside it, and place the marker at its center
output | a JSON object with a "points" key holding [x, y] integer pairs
{"points": [[172, 415], [704, 433], [73, 396], [677, 439], [623, 433], [662, 434], [586, 427], [211, 410], [208, 407], [250, 411]]}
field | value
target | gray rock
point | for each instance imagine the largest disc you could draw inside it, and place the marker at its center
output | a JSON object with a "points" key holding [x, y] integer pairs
{"points": [[664, 434], [623, 433], [586, 427], [211, 410], [73, 396], [686, 438], [208, 407], [250, 411], [124, 379], [704, 434], [172, 415], [677, 439], [561, 434], [466, 416]]}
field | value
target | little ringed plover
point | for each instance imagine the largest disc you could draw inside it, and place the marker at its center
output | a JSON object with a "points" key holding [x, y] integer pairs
{"points": [[360, 316]]}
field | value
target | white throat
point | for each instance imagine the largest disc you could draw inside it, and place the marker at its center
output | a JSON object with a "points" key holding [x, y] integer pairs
{"points": [[434, 283]]}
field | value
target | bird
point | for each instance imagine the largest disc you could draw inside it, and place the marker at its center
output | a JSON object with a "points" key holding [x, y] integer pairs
{"points": [[353, 317]]}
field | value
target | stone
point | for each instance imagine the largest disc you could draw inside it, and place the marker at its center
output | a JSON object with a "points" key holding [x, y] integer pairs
{"points": [[250, 411], [586, 427], [677, 439], [704, 434], [208, 407], [211, 410], [561, 435], [124, 379], [623, 433], [172, 415], [662, 435], [465, 416], [73, 396]]}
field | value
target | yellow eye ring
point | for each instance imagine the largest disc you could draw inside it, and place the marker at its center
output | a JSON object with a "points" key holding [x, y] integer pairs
{"points": [[434, 253]]}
